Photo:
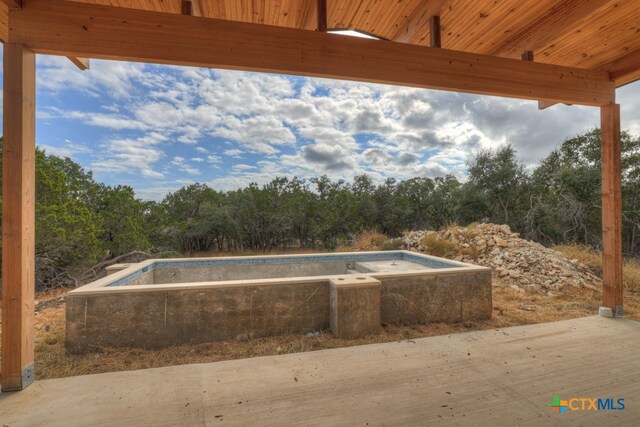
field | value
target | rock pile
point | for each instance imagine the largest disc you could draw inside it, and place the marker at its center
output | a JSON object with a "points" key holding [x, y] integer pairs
{"points": [[523, 264]]}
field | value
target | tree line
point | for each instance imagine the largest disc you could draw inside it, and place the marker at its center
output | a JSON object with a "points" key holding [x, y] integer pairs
{"points": [[80, 221]]}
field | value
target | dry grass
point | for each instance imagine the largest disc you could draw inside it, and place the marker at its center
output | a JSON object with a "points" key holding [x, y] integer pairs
{"points": [[585, 255], [510, 308], [393, 244], [370, 240], [593, 259], [469, 232], [437, 246]]}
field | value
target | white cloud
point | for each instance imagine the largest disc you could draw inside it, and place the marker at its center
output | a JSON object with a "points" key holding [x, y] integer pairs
{"points": [[69, 149], [298, 126], [191, 170], [242, 167], [183, 166], [115, 78], [131, 156], [234, 153], [113, 121]]}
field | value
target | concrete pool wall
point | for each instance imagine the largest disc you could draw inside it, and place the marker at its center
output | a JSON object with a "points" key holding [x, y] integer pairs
{"points": [[158, 303]]}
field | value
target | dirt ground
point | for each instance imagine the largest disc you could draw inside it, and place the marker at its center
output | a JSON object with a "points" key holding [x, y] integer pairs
{"points": [[511, 307]]}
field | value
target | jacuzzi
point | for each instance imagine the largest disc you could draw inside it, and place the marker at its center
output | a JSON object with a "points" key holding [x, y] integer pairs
{"points": [[164, 302]]}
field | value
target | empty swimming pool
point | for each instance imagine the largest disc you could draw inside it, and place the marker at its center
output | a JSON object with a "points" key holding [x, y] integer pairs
{"points": [[162, 302]]}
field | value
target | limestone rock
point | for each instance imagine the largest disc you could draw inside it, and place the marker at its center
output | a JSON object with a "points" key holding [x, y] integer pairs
{"points": [[522, 264]]}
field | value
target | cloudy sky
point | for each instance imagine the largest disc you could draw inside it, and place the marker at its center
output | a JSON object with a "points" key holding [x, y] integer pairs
{"points": [[157, 128]]}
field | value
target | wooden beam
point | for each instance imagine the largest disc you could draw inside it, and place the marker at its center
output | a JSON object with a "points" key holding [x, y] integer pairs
{"points": [[541, 31], [322, 15], [624, 70], [82, 63], [435, 35], [527, 55], [16, 4], [628, 78], [611, 209], [18, 218], [67, 28], [418, 20], [4, 23]]}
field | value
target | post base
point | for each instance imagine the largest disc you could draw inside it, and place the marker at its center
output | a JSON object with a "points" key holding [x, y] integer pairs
{"points": [[28, 377]]}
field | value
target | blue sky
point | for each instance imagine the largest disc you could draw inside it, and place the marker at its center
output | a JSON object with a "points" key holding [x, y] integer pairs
{"points": [[157, 128]]}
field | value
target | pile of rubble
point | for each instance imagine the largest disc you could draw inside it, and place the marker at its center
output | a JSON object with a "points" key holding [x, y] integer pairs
{"points": [[517, 262]]}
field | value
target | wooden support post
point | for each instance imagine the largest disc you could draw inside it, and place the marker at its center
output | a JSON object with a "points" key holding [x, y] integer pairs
{"points": [[611, 209], [322, 15], [435, 35], [18, 219]]}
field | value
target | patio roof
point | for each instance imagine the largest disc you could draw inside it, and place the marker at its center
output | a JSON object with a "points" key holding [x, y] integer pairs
{"points": [[570, 51], [590, 34]]}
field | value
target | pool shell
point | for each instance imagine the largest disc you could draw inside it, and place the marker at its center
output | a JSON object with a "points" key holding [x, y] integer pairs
{"points": [[163, 302]]}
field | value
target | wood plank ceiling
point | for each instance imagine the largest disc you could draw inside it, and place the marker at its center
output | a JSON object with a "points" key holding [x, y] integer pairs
{"points": [[592, 34]]}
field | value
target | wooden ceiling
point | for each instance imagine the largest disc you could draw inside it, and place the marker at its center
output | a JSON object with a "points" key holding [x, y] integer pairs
{"points": [[592, 34]]}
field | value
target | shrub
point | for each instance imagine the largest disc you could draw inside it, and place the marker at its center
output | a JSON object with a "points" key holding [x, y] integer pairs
{"points": [[470, 232], [631, 273], [473, 252], [434, 245], [393, 245], [592, 259], [584, 255], [368, 240]]}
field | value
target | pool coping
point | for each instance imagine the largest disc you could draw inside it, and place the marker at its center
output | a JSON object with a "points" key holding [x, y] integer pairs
{"points": [[101, 286]]}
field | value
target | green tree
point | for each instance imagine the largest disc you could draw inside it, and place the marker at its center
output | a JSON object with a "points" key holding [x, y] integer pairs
{"points": [[123, 218], [67, 229], [501, 178]]}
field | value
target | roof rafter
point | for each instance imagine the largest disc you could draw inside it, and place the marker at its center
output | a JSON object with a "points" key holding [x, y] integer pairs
{"points": [[191, 7], [4, 23], [12, 3], [624, 70], [418, 21], [435, 33], [196, 8], [321, 8], [61, 27], [82, 63], [555, 21]]}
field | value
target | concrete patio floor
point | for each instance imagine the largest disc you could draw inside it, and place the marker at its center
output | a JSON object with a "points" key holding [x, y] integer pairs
{"points": [[495, 377]]}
